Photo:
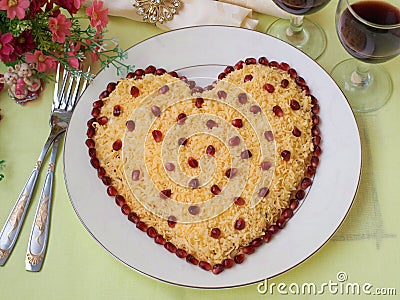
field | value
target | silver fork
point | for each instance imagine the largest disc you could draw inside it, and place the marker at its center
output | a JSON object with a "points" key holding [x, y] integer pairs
{"points": [[65, 97]]}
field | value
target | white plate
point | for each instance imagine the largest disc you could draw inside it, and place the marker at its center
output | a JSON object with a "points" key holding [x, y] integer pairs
{"points": [[200, 51]]}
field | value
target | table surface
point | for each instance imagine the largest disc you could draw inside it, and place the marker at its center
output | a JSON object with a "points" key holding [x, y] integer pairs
{"points": [[76, 267]]}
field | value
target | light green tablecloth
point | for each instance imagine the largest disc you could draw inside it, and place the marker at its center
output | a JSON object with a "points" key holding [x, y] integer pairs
{"points": [[366, 247]]}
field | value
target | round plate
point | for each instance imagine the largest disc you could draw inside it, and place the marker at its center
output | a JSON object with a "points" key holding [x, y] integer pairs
{"points": [[203, 52]]}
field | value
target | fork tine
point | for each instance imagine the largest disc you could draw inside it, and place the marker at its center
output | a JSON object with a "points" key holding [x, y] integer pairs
{"points": [[56, 100], [79, 88]]}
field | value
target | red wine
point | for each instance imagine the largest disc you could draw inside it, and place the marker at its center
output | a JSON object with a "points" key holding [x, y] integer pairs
{"points": [[301, 7], [370, 42]]}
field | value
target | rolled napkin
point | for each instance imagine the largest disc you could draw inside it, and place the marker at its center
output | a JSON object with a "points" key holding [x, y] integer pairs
{"points": [[200, 12]]}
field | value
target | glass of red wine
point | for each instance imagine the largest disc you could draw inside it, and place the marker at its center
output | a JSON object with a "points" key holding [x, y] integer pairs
{"points": [[300, 32], [370, 31]]}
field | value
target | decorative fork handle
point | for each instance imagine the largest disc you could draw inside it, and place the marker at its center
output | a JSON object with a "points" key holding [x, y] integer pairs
{"points": [[12, 227], [40, 228]]}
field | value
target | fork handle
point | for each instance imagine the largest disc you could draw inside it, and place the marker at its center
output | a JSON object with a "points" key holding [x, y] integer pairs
{"points": [[12, 227], [40, 228]]}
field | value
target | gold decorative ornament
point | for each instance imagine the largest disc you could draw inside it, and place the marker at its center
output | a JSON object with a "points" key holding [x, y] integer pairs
{"points": [[34, 259], [154, 11], [3, 253]]}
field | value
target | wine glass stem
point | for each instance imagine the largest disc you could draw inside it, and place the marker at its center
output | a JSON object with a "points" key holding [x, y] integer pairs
{"points": [[296, 25], [360, 76]]}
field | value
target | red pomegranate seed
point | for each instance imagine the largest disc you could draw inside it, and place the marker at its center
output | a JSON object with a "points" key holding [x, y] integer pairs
{"points": [[134, 91], [205, 265], [92, 152], [250, 61], [229, 69], [170, 167], [237, 123], [296, 132], [274, 64], [101, 172], [248, 77], [152, 232], [95, 112], [294, 104], [269, 88], [315, 119], [257, 242], [111, 191], [317, 150], [199, 102], [106, 180], [194, 209], [182, 141], [269, 136], [239, 201], [263, 192], [94, 161], [181, 253], [90, 122], [98, 104], [197, 89], [300, 194], [239, 65], [249, 250], [266, 165], [194, 183], [305, 183], [314, 161], [173, 74], [135, 175], [215, 189], [104, 94], [210, 150], [310, 171], [240, 224], [263, 61], [184, 79], [273, 229], [193, 162], [117, 145], [171, 221], [157, 135], [313, 100], [141, 226], [170, 247], [306, 90], [164, 194], [134, 218], [242, 98], [181, 118], [267, 236], [231, 172], [159, 239], [315, 130], [228, 263], [221, 76], [281, 222], [119, 200], [255, 109], [277, 110], [284, 66], [246, 154], [240, 258], [192, 260], [222, 94], [191, 84], [215, 233], [139, 72], [130, 75], [160, 71], [130, 125], [117, 110], [292, 73], [294, 203], [90, 143], [111, 86], [211, 124], [285, 155], [150, 69], [163, 89], [102, 120], [235, 141], [287, 213], [155, 110], [125, 209], [218, 268], [284, 83]]}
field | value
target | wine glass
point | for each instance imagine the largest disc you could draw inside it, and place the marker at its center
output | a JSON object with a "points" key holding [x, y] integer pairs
{"points": [[302, 33], [370, 31]]}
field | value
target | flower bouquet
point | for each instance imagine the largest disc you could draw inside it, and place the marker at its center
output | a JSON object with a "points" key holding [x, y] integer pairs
{"points": [[37, 35]]}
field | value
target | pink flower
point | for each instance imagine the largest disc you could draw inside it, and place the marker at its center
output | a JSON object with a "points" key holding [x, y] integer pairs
{"points": [[60, 28], [14, 8], [71, 5], [98, 17], [6, 47], [44, 63]]}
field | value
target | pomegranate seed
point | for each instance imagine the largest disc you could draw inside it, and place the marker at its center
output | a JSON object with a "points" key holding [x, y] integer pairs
{"points": [[249, 250], [192, 260], [197, 89], [296, 132], [239, 201], [246, 154], [300, 81], [306, 90], [277, 111], [287, 213], [181, 118], [248, 77], [269, 136], [152, 232], [228, 263], [285, 155], [255, 109], [292, 73], [240, 258], [237, 123], [184, 79], [273, 229], [171, 221], [134, 91], [266, 165], [163, 89], [106, 180], [159, 239], [98, 104], [231, 172], [257, 242], [157, 135], [111, 86], [315, 119], [104, 94], [90, 143], [281, 222], [182, 141], [117, 110], [90, 122], [130, 125], [141, 226], [199, 102], [215, 189], [250, 61], [294, 203], [239, 65], [95, 162], [229, 69], [101, 172], [242, 98], [95, 112], [160, 71], [155, 110], [125, 209], [240, 224], [222, 94], [284, 66], [169, 166], [317, 150], [111, 191], [181, 253], [193, 162], [221, 76], [102, 120], [150, 69], [235, 141], [215, 233], [134, 218], [135, 175], [139, 72], [194, 209], [205, 265], [305, 183], [310, 171], [209, 87], [315, 130], [211, 124], [210, 150], [117, 145], [191, 84], [130, 75], [284, 83], [269, 88], [263, 192], [218, 268], [173, 74], [170, 247], [294, 104], [164, 194], [119, 200], [92, 152], [194, 183], [263, 61], [314, 161], [267, 236], [274, 64], [300, 194], [313, 100]]}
